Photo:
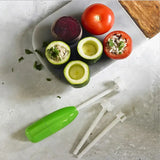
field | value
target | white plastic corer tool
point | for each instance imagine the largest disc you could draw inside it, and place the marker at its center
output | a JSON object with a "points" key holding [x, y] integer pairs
{"points": [[120, 117], [106, 106], [57, 120]]}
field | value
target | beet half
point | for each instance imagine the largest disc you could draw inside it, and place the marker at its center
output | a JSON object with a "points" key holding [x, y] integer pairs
{"points": [[67, 29]]}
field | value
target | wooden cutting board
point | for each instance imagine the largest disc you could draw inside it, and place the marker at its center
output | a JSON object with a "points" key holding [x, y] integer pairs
{"points": [[146, 15]]}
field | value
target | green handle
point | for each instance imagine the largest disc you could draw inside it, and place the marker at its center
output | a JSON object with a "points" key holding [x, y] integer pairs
{"points": [[51, 123]]}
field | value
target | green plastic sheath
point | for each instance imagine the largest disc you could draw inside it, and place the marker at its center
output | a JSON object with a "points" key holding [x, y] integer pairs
{"points": [[51, 123]]}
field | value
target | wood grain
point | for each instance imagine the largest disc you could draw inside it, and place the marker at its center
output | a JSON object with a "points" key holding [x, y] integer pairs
{"points": [[146, 15]]}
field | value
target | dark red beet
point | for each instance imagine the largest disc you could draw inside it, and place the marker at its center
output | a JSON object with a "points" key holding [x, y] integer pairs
{"points": [[67, 29]]}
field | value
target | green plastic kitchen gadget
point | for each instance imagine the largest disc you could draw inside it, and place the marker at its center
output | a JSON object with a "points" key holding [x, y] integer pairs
{"points": [[51, 123], [57, 120]]}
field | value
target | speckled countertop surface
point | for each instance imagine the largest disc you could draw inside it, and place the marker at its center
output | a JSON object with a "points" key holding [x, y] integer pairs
{"points": [[26, 95]]}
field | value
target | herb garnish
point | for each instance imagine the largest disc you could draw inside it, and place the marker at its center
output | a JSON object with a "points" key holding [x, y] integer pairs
{"points": [[59, 97], [27, 51], [53, 52], [48, 79], [116, 44], [45, 44], [38, 66], [2, 82], [20, 59], [12, 69], [120, 45], [39, 52], [110, 42]]}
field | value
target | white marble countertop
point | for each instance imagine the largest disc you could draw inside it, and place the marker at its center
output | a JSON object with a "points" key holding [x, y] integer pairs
{"points": [[26, 95]]}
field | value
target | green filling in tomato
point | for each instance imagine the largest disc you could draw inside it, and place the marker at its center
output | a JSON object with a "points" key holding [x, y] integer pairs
{"points": [[116, 44]]}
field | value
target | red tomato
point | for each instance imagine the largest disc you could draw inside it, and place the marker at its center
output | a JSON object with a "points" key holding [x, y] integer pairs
{"points": [[97, 19], [126, 45]]}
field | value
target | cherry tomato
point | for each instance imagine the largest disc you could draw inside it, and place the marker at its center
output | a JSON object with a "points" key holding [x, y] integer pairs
{"points": [[117, 45], [97, 19]]}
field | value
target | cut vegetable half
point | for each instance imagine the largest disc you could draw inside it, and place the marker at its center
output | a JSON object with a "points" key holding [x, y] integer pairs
{"points": [[117, 45], [77, 73], [58, 53], [90, 49], [67, 29]]}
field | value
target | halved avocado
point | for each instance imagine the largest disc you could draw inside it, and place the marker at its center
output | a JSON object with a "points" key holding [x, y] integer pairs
{"points": [[77, 73], [58, 53], [90, 49]]}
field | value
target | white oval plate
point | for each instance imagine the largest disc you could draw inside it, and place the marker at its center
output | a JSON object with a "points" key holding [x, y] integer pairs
{"points": [[75, 8]]}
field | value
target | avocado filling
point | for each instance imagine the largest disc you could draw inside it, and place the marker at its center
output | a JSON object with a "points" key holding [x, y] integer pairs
{"points": [[76, 72], [90, 48], [116, 44], [57, 53]]}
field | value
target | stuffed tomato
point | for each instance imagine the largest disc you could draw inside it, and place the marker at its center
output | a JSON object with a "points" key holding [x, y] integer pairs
{"points": [[117, 45]]}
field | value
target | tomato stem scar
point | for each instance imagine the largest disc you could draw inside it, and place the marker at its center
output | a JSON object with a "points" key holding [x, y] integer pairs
{"points": [[97, 17]]}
